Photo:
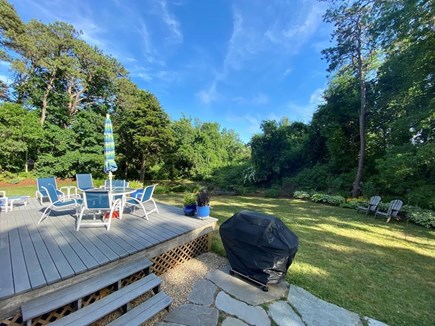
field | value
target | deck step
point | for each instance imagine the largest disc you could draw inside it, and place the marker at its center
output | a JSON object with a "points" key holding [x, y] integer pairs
{"points": [[74, 293], [110, 303], [144, 311]]}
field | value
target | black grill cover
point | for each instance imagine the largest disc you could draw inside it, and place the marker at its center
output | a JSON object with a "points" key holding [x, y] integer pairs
{"points": [[259, 246]]}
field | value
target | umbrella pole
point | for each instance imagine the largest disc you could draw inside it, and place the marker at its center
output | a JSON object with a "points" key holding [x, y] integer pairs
{"points": [[110, 180]]}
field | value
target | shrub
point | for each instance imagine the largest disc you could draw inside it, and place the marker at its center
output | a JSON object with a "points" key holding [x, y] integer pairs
{"points": [[161, 189], [328, 199], [272, 193], [424, 217], [179, 188], [312, 178], [301, 195], [354, 202], [135, 184]]}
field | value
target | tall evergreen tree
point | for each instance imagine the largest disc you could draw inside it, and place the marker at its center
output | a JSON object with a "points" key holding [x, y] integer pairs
{"points": [[353, 21]]}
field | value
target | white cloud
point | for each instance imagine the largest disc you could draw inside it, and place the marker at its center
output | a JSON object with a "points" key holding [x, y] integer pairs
{"points": [[207, 96], [287, 72], [257, 100], [144, 76], [5, 79], [317, 98], [304, 113], [171, 22], [275, 35], [92, 32], [291, 32]]}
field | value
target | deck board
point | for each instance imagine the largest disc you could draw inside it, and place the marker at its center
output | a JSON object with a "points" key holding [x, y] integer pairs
{"points": [[37, 256], [36, 275]]}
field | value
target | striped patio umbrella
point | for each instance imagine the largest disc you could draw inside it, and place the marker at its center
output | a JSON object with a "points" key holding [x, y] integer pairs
{"points": [[109, 150]]}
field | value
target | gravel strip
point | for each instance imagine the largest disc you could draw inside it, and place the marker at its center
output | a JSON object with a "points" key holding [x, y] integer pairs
{"points": [[179, 281]]}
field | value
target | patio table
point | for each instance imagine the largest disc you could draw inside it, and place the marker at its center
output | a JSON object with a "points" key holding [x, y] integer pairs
{"points": [[17, 200], [123, 192], [70, 189]]}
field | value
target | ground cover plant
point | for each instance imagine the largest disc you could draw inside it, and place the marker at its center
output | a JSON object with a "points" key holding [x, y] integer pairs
{"points": [[384, 271]]}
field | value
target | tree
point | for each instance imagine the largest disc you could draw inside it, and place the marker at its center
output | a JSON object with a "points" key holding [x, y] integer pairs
{"points": [[280, 150], [45, 53], [354, 49], [20, 133], [11, 27], [144, 130]]}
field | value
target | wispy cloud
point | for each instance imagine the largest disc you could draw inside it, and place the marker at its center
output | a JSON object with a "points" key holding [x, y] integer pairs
{"points": [[207, 96], [267, 39], [304, 112], [171, 22], [257, 100]]}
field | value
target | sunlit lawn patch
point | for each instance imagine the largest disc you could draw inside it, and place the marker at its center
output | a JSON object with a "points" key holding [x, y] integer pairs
{"points": [[384, 271]]}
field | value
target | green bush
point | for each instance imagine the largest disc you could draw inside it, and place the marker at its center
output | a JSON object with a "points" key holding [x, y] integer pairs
{"points": [[135, 184], [162, 189], [179, 188], [230, 177], [423, 196], [301, 195], [312, 178], [424, 217], [354, 202], [272, 193], [328, 199]]}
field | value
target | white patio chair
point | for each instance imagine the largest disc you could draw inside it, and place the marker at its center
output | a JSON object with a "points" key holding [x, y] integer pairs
{"points": [[41, 184], [98, 201], [139, 201], [58, 202]]}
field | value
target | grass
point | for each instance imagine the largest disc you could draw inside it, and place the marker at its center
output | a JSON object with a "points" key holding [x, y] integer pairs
{"points": [[384, 271]]}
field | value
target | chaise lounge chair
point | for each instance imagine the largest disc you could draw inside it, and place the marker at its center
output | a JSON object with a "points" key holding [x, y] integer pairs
{"points": [[41, 184], [58, 202]]}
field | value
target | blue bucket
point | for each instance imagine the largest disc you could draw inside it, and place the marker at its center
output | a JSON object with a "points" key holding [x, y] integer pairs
{"points": [[203, 211]]}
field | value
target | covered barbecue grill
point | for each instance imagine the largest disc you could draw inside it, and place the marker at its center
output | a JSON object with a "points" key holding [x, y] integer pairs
{"points": [[259, 247]]}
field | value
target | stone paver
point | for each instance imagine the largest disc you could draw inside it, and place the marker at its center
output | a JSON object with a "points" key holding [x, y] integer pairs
{"points": [[284, 315], [241, 303], [193, 315], [250, 314], [230, 321], [245, 291], [203, 293], [315, 311]]}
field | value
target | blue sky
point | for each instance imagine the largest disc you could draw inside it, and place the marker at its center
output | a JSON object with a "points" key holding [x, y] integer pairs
{"points": [[233, 62]]}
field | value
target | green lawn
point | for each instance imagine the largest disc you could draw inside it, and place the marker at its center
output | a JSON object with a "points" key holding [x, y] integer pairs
{"points": [[384, 271]]}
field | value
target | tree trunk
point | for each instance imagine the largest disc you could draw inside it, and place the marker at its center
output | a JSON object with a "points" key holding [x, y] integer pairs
{"points": [[126, 170], [74, 98], [362, 134], [44, 99], [142, 169]]}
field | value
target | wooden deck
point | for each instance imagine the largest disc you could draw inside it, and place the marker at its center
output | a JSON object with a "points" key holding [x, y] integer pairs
{"points": [[36, 259]]}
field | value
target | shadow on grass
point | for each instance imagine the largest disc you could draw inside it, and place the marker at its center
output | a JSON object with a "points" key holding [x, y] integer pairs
{"points": [[376, 269]]}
